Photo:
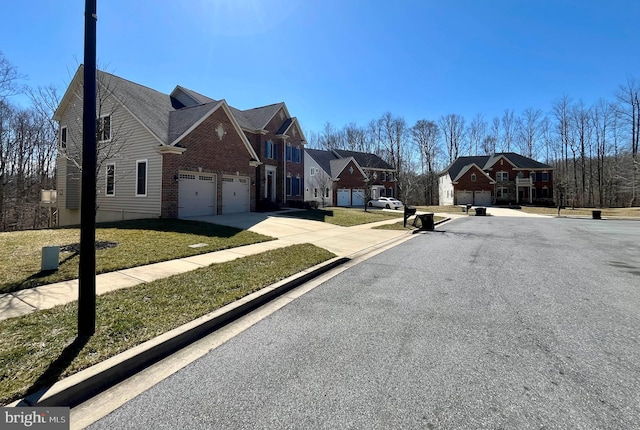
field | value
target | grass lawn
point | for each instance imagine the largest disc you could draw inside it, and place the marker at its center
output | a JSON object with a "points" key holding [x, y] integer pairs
{"points": [[38, 349], [345, 217], [136, 243]]}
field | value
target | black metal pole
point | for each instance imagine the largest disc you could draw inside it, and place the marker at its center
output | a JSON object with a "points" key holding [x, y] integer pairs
{"points": [[87, 271]]}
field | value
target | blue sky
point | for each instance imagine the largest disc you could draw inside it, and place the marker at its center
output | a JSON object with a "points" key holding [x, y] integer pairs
{"points": [[342, 60]]}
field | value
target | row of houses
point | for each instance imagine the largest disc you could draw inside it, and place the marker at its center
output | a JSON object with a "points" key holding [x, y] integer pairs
{"points": [[185, 154]]}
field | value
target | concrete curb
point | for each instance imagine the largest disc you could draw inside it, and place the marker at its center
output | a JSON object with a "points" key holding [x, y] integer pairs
{"points": [[85, 384]]}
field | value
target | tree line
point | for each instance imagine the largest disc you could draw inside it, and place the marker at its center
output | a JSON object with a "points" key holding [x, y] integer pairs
{"points": [[28, 145], [593, 149]]}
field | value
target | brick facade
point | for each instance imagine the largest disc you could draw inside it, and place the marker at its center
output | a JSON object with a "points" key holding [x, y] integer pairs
{"points": [[207, 152]]}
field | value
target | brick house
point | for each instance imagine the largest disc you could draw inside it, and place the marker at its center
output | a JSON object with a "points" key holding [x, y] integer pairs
{"points": [[502, 178], [176, 155], [346, 178]]}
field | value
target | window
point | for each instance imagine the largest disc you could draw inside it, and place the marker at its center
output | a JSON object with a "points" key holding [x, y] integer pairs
{"points": [[103, 128], [383, 176], [312, 171], [296, 182], [389, 176], [473, 177], [288, 185], [502, 176], [63, 137], [501, 193], [545, 176], [315, 192], [270, 150], [532, 175], [288, 153], [327, 192], [389, 192], [295, 154], [110, 185], [141, 178]]}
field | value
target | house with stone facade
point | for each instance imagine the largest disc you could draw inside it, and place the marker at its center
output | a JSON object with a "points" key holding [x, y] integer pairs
{"points": [[173, 155], [502, 178], [346, 178]]}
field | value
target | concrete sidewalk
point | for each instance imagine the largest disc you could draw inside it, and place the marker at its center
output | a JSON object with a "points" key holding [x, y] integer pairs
{"points": [[342, 241]]}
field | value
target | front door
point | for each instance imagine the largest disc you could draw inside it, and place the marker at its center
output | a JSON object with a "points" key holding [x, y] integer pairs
{"points": [[270, 186]]}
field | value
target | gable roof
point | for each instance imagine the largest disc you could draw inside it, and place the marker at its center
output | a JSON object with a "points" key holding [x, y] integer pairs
{"points": [[485, 162], [150, 107], [334, 162], [168, 116], [468, 167], [323, 158], [365, 159]]}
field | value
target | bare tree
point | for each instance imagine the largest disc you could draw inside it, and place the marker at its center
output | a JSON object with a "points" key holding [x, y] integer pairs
{"points": [[426, 135], [628, 97], [9, 78], [394, 133], [528, 131], [452, 126], [508, 130], [476, 132]]}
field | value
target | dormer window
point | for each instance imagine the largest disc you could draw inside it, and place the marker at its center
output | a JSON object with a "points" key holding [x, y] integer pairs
{"points": [[473, 177]]}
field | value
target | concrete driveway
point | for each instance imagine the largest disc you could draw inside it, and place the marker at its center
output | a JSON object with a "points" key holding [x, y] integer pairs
{"points": [[342, 241]]}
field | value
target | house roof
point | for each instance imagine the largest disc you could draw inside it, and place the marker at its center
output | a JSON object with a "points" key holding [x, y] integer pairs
{"points": [[338, 165], [323, 158], [334, 162], [256, 118], [148, 106], [166, 117], [468, 167], [182, 119], [487, 161], [365, 159]]}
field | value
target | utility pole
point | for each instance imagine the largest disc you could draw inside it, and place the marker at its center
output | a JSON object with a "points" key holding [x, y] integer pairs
{"points": [[87, 270]]}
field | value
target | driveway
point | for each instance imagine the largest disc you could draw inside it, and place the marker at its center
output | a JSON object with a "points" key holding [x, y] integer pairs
{"points": [[342, 241]]}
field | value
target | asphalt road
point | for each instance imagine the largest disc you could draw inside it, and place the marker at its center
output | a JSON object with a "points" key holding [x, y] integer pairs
{"points": [[492, 322]]}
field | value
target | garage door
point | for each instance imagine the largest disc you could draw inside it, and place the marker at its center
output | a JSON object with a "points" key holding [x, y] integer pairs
{"points": [[357, 197], [464, 198], [482, 198], [196, 194], [235, 194], [344, 197]]}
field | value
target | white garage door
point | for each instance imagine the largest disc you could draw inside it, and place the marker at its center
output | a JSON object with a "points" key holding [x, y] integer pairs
{"points": [[357, 197], [464, 197], [235, 194], [482, 198], [196, 194], [344, 197]]}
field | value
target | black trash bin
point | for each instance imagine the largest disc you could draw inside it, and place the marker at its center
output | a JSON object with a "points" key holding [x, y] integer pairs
{"points": [[481, 211], [426, 221], [596, 214]]}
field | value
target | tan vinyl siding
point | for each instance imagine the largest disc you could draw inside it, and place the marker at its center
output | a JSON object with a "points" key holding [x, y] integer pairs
{"points": [[134, 143], [72, 186], [130, 141]]}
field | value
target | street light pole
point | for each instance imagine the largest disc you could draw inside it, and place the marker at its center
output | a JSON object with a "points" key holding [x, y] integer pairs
{"points": [[87, 264]]}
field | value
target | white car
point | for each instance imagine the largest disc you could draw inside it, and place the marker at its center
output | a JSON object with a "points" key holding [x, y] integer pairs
{"points": [[385, 202]]}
